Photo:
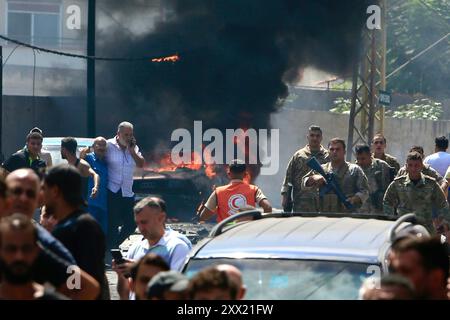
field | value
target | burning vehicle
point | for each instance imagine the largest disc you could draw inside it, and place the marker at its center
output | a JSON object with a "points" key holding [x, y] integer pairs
{"points": [[183, 189]]}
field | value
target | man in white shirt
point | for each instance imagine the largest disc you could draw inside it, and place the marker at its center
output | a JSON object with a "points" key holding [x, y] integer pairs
{"points": [[173, 247], [440, 160], [122, 157]]}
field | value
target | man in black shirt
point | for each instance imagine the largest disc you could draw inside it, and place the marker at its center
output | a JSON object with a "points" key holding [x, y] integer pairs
{"points": [[19, 251], [78, 231], [28, 157]]}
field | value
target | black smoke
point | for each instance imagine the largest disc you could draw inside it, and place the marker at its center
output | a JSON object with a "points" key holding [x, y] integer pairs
{"points": [[237, 57]]}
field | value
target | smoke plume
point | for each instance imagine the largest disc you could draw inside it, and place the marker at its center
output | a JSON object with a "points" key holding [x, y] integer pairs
{"points": [[236, 59]]}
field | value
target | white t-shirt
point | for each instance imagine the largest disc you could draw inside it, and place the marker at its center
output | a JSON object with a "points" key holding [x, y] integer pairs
{"points": [[439, 161], [173, 247]]}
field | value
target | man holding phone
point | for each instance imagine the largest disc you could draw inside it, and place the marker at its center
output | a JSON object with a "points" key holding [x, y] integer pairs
{"points": [[150, 216], [122, 157]]}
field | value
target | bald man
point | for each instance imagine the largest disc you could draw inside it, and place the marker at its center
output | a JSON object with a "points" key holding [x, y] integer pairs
{"points": [[235, 276], [23, 196], [23, 189], [97, 206]]}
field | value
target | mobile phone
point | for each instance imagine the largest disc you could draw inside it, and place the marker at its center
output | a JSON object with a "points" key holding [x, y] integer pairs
{"points": [[117, 256], [132, 141]]}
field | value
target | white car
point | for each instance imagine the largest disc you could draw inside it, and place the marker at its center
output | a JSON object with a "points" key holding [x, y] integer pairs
{"points": [[52, 145], [303, 256]]}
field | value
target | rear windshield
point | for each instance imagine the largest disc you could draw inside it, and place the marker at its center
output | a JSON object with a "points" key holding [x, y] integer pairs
{"points": [[295, 279]]}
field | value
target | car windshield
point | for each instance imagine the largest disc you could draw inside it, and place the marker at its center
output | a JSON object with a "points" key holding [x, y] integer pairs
{"points": [[276, 279]]}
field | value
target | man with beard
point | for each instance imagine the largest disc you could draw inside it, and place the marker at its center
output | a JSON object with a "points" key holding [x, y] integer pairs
{"points": [[77, 230], [23, 187], [21, 194], [150, 215], [425, 262], [303, 200], [18, 253], [122, 157], [349, 177]]}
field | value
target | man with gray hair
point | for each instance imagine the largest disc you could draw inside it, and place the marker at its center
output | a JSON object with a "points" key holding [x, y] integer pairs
{"points": [[150, 216], [122, 157]]}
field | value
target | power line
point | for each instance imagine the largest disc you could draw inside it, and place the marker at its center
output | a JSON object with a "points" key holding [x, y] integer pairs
{"points": [[85, 57], [10, 54], [436, 12], [417, 56]]}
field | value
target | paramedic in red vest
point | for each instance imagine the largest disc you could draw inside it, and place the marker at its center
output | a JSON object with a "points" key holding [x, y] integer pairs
{"points": [[228, 200]]}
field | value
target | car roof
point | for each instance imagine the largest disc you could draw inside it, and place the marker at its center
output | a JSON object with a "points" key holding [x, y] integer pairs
{"points": [[323, 238], [56, 141]]}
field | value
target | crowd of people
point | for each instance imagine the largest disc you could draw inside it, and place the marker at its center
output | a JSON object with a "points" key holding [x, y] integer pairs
{"points": [[374, 184], [87, 209]]}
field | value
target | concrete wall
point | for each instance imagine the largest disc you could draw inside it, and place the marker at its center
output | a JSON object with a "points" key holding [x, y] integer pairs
{"points": [[293, 124], [322, 100]]}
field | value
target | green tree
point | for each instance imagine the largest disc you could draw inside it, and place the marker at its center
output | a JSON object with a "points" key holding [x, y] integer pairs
{"points": [[412, 26], [424, 109], [341, 105]]}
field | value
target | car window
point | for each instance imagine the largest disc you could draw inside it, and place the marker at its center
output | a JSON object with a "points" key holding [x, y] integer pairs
{"points": [[55, 152], [294, 279]]}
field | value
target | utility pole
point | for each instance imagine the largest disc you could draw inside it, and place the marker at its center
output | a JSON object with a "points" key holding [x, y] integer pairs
{"points": [[1, 103], [91, 132], [369, 77]]}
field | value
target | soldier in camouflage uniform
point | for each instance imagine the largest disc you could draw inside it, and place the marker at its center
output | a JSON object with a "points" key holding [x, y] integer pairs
{"points": [[350, 178], [427, 170], [303, 200], [378, 173], [379, 146], [419, 194]]}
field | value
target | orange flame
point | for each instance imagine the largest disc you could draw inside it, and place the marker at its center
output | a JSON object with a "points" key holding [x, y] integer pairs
{"points": [[209, 167], [173, 58], [166, 164]]}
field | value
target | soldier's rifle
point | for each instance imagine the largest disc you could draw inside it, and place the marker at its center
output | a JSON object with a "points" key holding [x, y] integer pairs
{"points": [[331, 183]]}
